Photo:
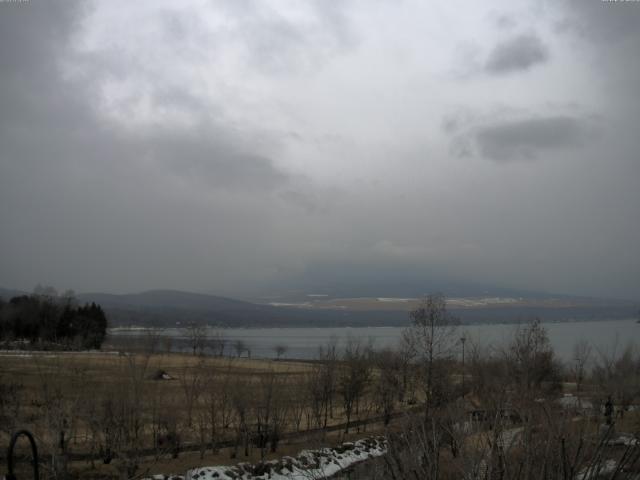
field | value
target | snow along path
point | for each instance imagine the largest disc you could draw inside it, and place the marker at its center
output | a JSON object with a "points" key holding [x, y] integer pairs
{"points": [[308, 465]]}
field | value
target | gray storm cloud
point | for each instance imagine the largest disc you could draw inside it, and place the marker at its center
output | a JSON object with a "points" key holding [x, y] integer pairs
{"points": [[245, 148], [526, 139], [518, 53]]}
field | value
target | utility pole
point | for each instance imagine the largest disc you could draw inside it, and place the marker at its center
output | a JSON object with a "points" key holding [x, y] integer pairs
{"points": [[463, 339]]}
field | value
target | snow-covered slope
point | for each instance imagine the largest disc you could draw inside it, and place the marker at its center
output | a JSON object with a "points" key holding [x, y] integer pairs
{"points": [[308, 465]]}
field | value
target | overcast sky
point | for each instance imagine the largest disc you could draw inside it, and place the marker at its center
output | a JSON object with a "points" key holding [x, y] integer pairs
{"points": [[227, 146]]}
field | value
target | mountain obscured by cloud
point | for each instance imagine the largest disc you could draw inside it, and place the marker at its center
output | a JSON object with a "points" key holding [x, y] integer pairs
{"points": [[235, 146]]}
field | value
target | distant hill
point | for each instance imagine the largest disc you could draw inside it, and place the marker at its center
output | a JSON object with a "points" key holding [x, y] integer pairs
{"points": [[171, 307], [167, 299], [7, 293]]}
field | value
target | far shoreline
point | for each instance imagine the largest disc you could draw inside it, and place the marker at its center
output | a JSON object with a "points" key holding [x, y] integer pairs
{"points": [[142, 328]]}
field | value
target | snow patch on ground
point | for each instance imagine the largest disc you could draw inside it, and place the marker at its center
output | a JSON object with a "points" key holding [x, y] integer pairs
{"points": [[285, 304], [308, 465], [509, 437], [624, 439], [569, 401], [481, 302], [606, 468], [394, 300]]}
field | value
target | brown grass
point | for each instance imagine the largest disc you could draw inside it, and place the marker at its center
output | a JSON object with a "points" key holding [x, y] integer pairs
{"points": [[84, 379]]}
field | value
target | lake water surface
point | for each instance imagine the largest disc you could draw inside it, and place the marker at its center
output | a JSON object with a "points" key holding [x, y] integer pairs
{"points": [[605, 336]]}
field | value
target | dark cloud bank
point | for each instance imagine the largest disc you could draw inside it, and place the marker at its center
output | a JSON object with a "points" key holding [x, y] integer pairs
{"points": [[527, 139], [517, 53]]}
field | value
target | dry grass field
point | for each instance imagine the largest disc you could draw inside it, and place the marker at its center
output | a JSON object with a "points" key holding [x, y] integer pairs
{"points": [[163, 407]]}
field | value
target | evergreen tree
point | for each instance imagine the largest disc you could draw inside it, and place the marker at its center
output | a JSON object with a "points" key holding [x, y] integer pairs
{"points": [[53, 320]]}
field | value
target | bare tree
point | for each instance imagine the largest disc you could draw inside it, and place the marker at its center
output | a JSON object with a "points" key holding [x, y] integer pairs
{"points": [[354, 376], [269, 412], [322, 384], [197, 335], [216, 403], [121, 416], [167, 344], [46, 291], [581, 357], [68, 298], [299, 396], [11, 400], [191, 380], [314, 385], [240, 347], [433, 335], [619, 376], [280, 350], [488, 376], [152, 339], [405, 356], [217, 342], [156, 408], [530, 358], [388, 382], [241, 397], [513, 434], [59, 396]]}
